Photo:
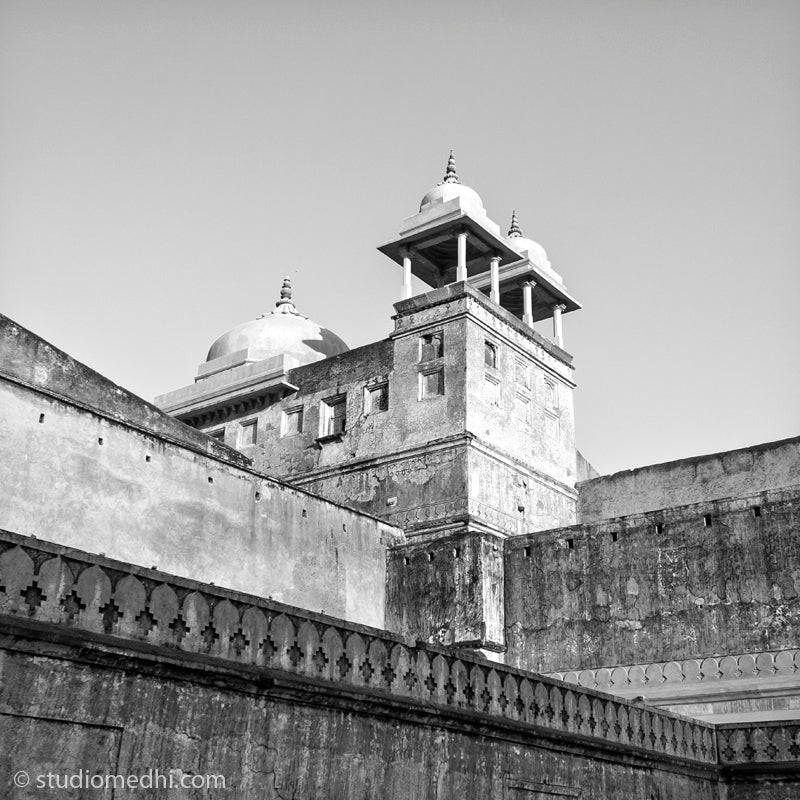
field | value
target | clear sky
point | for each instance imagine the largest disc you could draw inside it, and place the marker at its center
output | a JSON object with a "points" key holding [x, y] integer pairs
{"points": [[164, 164]]}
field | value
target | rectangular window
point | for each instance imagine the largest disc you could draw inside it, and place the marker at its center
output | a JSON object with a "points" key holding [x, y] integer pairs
{"points": [[431, 384], [247, 433], [490, 355], [293, 422], [218, 434], [491, 389], [431, 345], [377, 399], [522, 408], [334, 416], [552, 426], [522, 374], [550, 396]]}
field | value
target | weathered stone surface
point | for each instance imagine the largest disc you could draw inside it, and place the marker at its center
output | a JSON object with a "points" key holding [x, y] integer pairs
{"points": [[288, 704], [425, 462], [448, 591], [678, 584], [29, 359], [91, 479], [735, 473]]}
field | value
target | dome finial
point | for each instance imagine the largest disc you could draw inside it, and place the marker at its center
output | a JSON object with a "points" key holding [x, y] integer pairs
{"points": [[286, 292], [514, 230], [451, 176], [286, 305]]}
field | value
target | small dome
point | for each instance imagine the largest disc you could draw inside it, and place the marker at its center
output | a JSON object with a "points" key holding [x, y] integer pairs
{"points": [[523, 245], [284, 331], [451, 188]]}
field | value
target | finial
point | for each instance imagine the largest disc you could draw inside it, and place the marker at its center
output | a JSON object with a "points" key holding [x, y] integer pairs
{"points": [[286, 292], [451, 176], [514, 230]]}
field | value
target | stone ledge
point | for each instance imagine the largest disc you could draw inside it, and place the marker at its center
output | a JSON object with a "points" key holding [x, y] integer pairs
{"points": [[64, 589]]}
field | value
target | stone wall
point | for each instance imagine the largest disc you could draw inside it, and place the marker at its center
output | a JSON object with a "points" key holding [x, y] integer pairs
{"points": [[407, 463], [134, 670], [688, 582], [733, 687], [759, 760], [448, 590], [135, 490], [735, 473]]}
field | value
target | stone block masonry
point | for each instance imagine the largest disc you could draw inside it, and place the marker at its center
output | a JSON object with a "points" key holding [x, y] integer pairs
{"points": [[285, 703], [718, 476], [681, 583], [105, 471]]}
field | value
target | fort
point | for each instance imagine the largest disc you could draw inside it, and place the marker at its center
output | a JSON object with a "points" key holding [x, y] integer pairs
{"points": [[388, 572]]}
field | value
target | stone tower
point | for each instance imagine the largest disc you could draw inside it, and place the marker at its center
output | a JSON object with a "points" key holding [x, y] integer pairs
{"points": [[458, 427]]}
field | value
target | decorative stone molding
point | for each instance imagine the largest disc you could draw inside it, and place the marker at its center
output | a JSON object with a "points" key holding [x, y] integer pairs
{"points": [[765, 742], [70, 589], [714, 669]]}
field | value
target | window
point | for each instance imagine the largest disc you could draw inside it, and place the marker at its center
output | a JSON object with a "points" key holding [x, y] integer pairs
{"points": [[490, 355], [218, 434], [334, 416], [522, 374], [292, 421], [550, 396], [431, 345], [376, 399], [431, 384], [522, 408], [491, 389], [247, 433], [552, 425]]}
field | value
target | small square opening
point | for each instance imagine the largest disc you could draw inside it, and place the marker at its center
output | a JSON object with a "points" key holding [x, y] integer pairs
{"points": [[431, 346]]}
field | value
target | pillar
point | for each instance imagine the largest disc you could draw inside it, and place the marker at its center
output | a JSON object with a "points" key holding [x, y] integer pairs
{"points": [[527, 302], [558, 333], [406, 287], [494, 293], [461, 269]]}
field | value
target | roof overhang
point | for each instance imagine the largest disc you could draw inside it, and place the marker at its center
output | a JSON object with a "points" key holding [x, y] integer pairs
{"points": [[432, 244], [231, 387], [549, 291]]}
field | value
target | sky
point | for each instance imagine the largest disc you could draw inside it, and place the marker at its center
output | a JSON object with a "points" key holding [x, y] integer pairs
{"points": [[164, 164]]}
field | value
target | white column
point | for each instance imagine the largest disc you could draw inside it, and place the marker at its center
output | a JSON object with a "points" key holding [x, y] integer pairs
{"points": [[558, 333], [494, 293], [406, 288], [461, 269], [527, 302]]}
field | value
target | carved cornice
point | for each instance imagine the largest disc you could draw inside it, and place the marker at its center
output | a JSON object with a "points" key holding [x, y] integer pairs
{"points": [[44, 584], [713, 670]]}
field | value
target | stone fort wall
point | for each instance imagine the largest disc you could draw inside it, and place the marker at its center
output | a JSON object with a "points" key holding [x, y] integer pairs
{"points": [[107, 472], [112, 668], [735, 473], [699, 580]]}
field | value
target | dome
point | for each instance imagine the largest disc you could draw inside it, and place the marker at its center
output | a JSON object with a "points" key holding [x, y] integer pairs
{"points": [[534, 250], [284, 331], [451, 188], [523, 245]]}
